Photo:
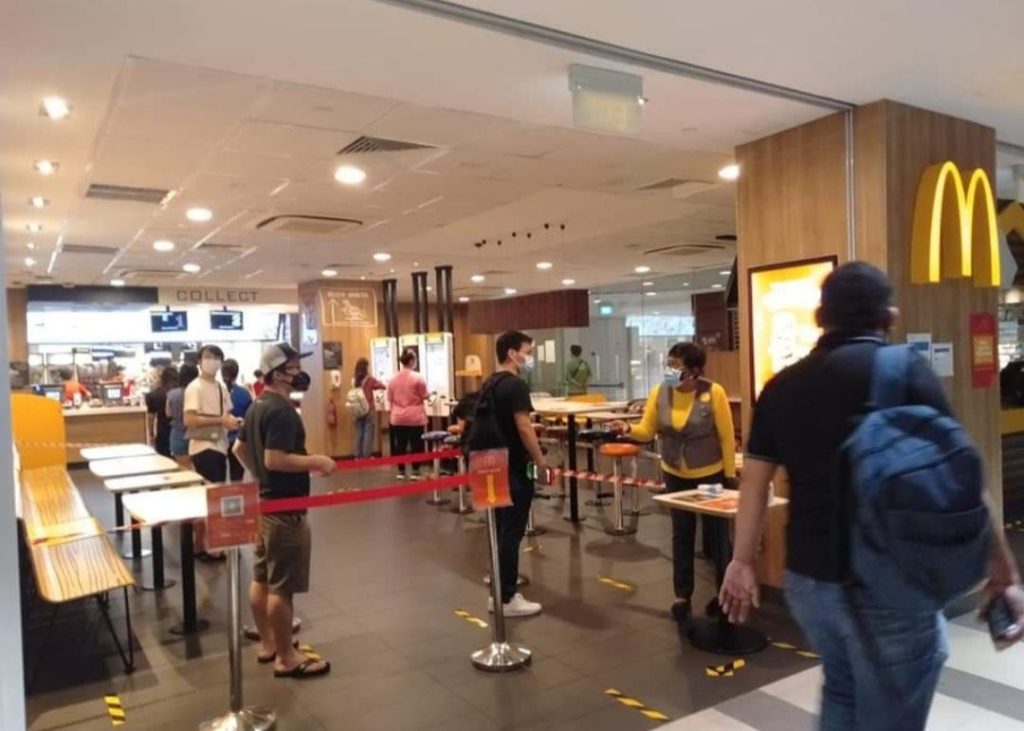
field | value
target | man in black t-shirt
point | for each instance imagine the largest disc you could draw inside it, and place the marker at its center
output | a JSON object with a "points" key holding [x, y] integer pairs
{"points": [[272, 446], [881, 665], [512, 407]]}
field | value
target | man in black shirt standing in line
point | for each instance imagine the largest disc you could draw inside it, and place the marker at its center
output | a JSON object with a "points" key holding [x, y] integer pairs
{"points": [[272, 446], [512, 407]]}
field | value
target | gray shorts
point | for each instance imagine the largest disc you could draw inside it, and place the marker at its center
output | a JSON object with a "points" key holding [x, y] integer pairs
{"points": [[283, 549]]}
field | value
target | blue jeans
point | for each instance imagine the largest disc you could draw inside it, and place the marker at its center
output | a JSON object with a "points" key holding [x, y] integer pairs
{"points": [[881, 665], [365, 429]]}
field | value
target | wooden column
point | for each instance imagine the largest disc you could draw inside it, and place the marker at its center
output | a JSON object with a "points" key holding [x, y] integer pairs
{"points": [[17, 324], [791, 205]]}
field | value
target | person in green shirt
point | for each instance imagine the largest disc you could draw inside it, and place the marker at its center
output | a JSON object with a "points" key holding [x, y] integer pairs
{"points": [[577, 373]]}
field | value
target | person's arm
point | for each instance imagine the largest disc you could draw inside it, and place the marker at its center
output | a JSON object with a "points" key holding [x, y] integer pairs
{"points": [[647, 428], [421, 389], [150, 427], [241, 453], [526, 432], [195, 420], [726, 431]]}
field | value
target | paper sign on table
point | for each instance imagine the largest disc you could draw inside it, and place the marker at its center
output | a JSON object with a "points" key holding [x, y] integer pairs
{"points": [[232, 515], [488, 472]]}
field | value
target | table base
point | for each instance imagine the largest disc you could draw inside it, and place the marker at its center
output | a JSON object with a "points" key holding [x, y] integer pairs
{"points": [[724, 638], [180, 629]]}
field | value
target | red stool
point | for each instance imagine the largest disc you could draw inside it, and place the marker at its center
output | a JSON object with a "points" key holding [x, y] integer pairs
{"points": [[618, 451]]}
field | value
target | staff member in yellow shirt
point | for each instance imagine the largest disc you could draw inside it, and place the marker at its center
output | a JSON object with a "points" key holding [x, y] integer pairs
{"points": [[691, 415]]}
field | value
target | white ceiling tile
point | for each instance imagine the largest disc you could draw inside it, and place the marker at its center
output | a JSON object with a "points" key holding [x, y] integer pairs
{"points": [[273, 138], [322, 108]]}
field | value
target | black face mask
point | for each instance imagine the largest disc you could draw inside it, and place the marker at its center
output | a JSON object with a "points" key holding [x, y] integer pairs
{"points": [[300, 381]]}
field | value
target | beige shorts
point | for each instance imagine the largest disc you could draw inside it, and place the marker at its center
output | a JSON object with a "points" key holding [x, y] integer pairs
{"points": [[283, 549]]}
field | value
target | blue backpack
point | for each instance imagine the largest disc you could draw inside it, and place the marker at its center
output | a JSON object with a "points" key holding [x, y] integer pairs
{"points": [[921, 529]]}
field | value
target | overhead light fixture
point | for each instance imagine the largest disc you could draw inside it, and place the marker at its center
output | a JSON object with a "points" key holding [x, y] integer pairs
{"points": [[30, 262], [463, 300], [544, 265], [511, 290], [392, 271], [362, 278], [648, 284], [55, 107], [382, 256], [642, 270], [597, 301], [641, 100], [429, 288], [415, 263], [568, 282], [655, 313], [116, 282], [716, 286], [192, 268], [725, 273], [37, 201], [651, 294], [199, 215], [349, 175], [163, 245], [31, 245], [477, 278], [686, 284], [729, 172], [46, 167], [329, 273], [34, 227]]}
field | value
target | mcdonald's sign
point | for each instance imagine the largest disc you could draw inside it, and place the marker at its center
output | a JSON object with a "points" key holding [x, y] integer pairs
{"points": [[955, 230]]}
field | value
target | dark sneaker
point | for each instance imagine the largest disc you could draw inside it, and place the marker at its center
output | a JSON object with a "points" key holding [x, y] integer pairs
{"points": [[681, 610]]}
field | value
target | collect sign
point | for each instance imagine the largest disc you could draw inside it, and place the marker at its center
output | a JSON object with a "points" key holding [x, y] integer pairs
{"points": [[225, 296], [232, 515], [984, 362], [488, 474]]}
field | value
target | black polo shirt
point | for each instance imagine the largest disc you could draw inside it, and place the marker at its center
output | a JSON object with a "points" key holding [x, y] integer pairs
{"points": [[801, 420]]}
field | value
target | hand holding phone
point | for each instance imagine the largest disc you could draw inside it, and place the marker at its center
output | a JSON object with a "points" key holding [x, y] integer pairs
{"points": [[1004, 625]]}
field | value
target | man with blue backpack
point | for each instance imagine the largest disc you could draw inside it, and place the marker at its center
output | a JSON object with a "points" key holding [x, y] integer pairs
{"points": [[888, 521]]}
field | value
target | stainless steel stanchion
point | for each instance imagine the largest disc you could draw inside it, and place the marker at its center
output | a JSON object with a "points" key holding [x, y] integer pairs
{"points": [[238, 718], [499, 656], [462, 507], [531, 529], [434, 439]]}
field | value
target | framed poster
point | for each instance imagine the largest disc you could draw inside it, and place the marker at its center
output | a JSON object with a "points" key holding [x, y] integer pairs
{"points": [[783, 301]]}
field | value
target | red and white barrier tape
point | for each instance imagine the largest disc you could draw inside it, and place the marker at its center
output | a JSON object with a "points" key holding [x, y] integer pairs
{"points": [[599, 477]]}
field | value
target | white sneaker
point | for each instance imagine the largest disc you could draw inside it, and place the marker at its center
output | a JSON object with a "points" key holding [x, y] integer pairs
{"points": [[518, 607], [400, 476]]}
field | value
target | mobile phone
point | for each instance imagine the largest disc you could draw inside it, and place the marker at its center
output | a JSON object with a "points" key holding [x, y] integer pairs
{"points": [[1002, 623]]}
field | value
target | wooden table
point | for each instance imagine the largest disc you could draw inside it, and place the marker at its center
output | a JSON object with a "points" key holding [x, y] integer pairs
{"points": [[572, 409], [128, 466], [719, 636], [117, 451], [120, 486], [183, 505]]}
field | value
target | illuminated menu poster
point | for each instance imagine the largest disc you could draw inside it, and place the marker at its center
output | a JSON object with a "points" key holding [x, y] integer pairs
{"points": [[783, 300], [438, 365]]}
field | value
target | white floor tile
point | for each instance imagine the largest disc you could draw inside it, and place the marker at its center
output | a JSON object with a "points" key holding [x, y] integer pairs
{"points": [[803, 690], [707, 720], [972, 652]]}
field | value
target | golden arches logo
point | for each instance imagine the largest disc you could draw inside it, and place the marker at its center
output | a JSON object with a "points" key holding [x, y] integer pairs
{"points": [[955, 231]]}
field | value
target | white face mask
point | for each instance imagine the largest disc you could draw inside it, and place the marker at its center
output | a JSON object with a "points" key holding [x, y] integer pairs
{"points": [[527, 364], [210, 366]]}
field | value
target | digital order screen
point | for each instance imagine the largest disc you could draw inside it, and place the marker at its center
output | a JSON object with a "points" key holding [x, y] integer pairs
{"points": [[171, 321], [226, 320]]}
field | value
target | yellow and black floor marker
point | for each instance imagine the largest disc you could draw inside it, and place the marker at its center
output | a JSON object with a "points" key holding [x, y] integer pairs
{"points": [[463, 614], [725, 671], [636, 705], [609, 581], [309, 652], [793, 648], [115, 710]]}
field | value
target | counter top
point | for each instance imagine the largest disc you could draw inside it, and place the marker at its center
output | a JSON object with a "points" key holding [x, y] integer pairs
{"points": [[103, 411]]}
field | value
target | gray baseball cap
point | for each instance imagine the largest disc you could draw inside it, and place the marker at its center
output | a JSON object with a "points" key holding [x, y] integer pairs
{"points": [[276, 355]]}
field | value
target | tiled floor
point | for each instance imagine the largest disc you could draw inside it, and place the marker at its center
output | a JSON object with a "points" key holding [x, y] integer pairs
{"points": [[388, 577]]}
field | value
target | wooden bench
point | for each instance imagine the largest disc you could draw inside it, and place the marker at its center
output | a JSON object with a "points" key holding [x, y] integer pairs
{"points": [[72, 558]]}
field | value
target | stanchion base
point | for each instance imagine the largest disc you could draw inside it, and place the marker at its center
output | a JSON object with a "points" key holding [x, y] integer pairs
{"points": [[439, 501], [501, 657], [521, 581], [462, 511], [168, 583], [598, 503], [144, 553], [627, 530], [578, 521], [638, 513], [724, 638], [247, 719], [180, 629]]}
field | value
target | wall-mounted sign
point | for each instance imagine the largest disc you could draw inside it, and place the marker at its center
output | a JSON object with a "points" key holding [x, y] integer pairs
{"points": [[349, 308], [332, 356], [955, 231], [309, 322], [225, 296], [783, 302], [984, 363]]}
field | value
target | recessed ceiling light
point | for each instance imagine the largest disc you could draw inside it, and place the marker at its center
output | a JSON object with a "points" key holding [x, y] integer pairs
{"points": [[46, 167], [651, 294], [163, 245], [349, 175], [37, 201], [429, 288], [648, 284], [686, 284], [192, 268], [329, 273], [415, 263], [392, 271], [729, 172], [511, 290], [568, 282], [199, 215], [641, 100], [544, 265], [382, 256], [55, 107], [642, 269], [34, 227], [725, 273], [597, 301], [31, 245], [29, 261], [116, 282], [716, 286], [477, 278], [362, 278], [463, 299]]}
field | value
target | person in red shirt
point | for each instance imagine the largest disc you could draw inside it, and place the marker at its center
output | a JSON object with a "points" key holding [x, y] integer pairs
{"points": [[258, 385], [407, 392], [366, 425], [73, 386]]}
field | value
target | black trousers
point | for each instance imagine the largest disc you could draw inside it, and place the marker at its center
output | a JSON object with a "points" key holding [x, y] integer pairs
{"points": [[684, 530], [406, 440], [211, 464], [511, 527], [235, 469]]}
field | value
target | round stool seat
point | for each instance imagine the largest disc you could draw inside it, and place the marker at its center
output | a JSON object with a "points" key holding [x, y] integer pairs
{"points": [[619, 449], [435, 436], [453, 440]]}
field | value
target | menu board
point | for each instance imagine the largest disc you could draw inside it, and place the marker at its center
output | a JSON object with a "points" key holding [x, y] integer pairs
{"points": [[783, 302]]}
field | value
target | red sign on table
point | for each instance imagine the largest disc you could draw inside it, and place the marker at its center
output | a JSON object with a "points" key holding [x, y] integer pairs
{"points": [[232, 515], [984, 359], [488, 472]]}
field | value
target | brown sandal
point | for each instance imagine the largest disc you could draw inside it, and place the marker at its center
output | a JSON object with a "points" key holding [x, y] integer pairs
{"points": [[302, 670]]}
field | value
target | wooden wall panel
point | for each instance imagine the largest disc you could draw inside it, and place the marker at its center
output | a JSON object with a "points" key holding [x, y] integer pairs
{"points": [[17, 325], [546, 310], [711, 320]]}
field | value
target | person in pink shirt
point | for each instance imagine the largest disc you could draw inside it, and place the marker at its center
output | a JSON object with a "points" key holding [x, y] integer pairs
{"points": [[407, 392]]}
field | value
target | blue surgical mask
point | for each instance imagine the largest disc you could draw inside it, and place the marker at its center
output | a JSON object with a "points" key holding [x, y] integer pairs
{"points": [[673, 375], [527, 364]]}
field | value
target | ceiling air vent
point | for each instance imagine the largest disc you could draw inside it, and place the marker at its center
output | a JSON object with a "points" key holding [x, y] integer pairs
{"points": [[684, 250], [107, 192], [309, 225], [87, 250], [670, 183], [216, 248], [378, 144], [150, 274]]}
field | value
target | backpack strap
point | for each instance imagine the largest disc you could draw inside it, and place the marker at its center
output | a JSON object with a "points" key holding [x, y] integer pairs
{"points": [[889, 376]]}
